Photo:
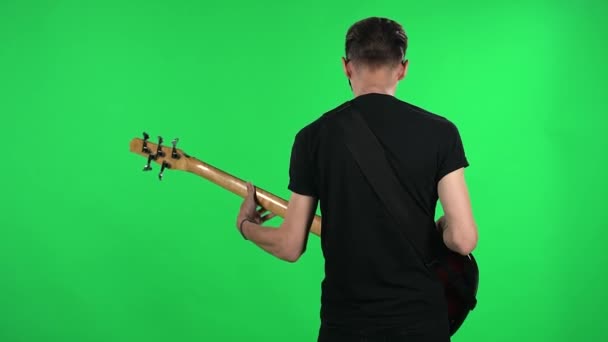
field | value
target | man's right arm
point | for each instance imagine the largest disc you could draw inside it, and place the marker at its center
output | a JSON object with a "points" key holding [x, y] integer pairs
{"points": [[458, 226]]}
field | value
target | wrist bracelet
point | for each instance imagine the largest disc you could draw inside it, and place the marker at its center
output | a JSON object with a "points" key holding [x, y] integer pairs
{"points": [[241, 227]]}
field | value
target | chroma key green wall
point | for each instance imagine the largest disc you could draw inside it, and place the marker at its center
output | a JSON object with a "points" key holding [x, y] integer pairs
{"points": [[92, 249]]}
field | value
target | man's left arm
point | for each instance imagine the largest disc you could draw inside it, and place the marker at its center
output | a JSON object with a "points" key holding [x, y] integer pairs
{"points": [[288, 241]]}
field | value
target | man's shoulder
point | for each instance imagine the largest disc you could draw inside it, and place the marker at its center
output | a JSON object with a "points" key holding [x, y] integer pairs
{"points": [[430, 122], [314, 126], [425, 114]]}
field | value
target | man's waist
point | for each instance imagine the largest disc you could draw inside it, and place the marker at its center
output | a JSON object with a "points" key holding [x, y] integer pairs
{"points": [[382, 309], [349, 319]]}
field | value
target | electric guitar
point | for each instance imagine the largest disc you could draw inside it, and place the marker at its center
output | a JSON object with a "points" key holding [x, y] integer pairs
{"points": [[458, 274]]}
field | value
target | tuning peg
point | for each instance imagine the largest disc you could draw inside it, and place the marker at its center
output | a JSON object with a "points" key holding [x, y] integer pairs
{"points": [[144, 147], [174, 153], [148, 167], [162, 170], [159, 150]]}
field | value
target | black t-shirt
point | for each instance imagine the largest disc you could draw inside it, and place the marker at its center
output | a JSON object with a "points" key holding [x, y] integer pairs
{"points": [[372, 276]]}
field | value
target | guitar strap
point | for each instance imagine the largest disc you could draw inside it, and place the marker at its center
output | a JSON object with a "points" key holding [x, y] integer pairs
{"points": [[373, 161]]}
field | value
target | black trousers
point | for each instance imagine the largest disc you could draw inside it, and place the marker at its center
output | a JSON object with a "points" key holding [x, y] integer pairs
{"points": [[428, 331]]}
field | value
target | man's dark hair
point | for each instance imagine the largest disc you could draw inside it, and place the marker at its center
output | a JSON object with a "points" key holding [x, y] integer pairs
{"points": [[376, 42]]}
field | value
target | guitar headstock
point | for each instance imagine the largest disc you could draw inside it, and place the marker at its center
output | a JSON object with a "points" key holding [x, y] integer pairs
{"points": [[169, 157]]}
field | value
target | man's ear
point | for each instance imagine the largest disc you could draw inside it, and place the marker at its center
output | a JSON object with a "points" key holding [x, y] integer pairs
{"points": [[403, 69], [346, 68]]}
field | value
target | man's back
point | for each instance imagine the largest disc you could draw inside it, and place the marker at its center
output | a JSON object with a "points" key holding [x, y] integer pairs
{"points": [[372, 276]]}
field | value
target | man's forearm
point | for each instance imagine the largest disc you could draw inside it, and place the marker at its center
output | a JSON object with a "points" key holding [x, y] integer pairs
{"points": [[448, 239], [453, 238], [272, 240]]}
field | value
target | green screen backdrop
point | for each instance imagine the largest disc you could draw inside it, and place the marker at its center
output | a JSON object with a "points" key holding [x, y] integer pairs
{"points": [[93, 249]]}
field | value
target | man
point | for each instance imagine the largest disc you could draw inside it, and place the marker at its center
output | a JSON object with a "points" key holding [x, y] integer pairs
{"points": [[375, 287]]}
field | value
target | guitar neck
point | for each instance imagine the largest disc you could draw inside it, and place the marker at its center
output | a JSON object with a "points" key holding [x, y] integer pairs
{"points": [[271, 202]]}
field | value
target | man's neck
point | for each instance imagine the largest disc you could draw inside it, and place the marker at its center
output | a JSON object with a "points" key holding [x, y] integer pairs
{"points": [[374, 90], [377, 81]]}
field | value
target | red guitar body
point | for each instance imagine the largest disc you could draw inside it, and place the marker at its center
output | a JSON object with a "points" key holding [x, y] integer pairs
{"points": [[460, 277]]}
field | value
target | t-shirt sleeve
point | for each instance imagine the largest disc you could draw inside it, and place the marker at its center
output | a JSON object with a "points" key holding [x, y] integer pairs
{"points": [[451, 153], [302, 167]]}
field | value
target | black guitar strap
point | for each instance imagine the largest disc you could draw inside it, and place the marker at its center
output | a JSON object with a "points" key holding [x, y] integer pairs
{"points": [[375, 166]]}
